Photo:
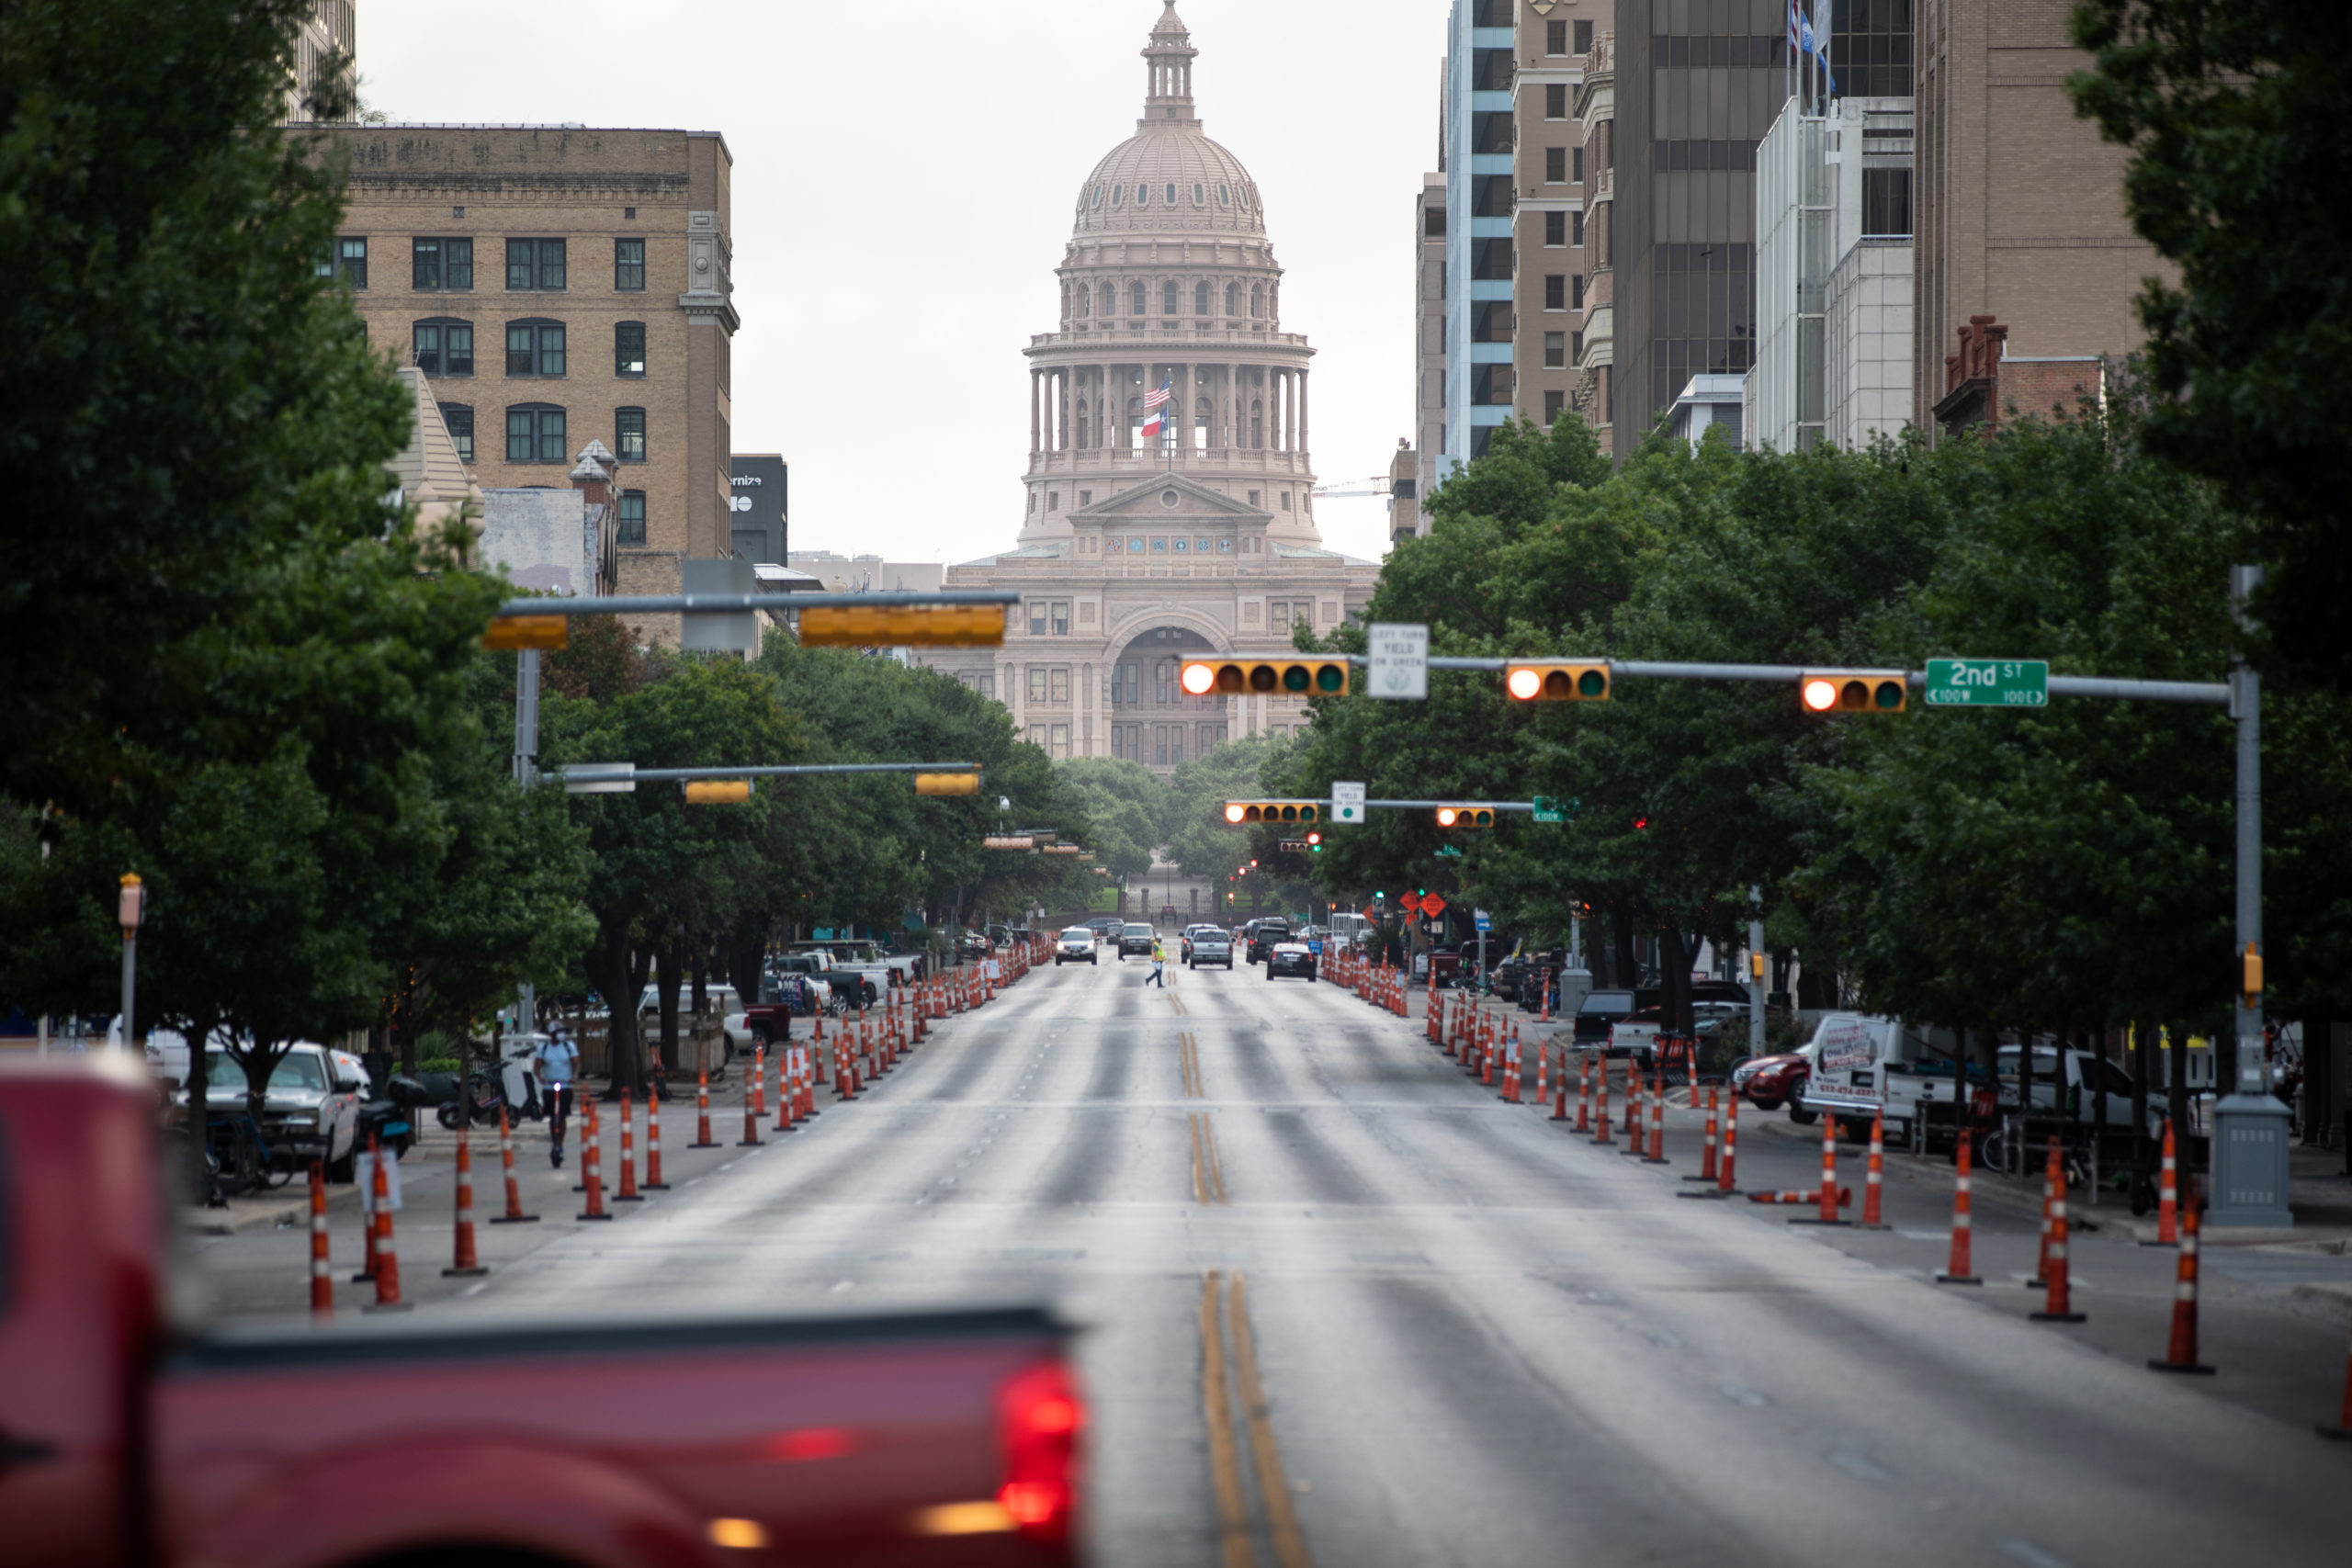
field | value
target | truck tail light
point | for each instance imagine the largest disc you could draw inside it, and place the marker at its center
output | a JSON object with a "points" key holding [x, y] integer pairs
{"points": [[1040, 1417]]}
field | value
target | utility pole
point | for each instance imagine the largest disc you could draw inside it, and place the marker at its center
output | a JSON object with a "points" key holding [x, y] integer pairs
{"points": [[129, 912], [527, 773], [1755, 970], [2249, 1138]]}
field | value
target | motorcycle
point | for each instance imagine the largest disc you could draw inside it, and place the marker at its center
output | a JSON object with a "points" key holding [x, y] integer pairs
{"points": [[486, 1094]]}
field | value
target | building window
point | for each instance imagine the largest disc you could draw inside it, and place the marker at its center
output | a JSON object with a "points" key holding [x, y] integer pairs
{"points": [[1257, 300], [1036, 611], [1036, 683], [444, 347], [1116, 192], [459, 419], [1555, 100], [1059, 615], [441, 264], [1583, 38], [1037, 736], [1577, 295], [1554, 401], [1138, 303], [1576, 348], [1556, 165], [535, 433], [348, 259], [1060, 747], [631, 529], [1168, 298], [1555, 351], [1555, 228], [987, 684], [1225, 546], [628, 348], [1886, 201], [628, 434], [1143, 195], [535, 348], [1556, 38], [1126, 684], [629, 265], [1491, 259], [1200, 298], [1555, 291], [1576, 164], [1285, 500], [1110, 299], [1576, 228], [534, 264], [1058, 684], [1433, 223]]}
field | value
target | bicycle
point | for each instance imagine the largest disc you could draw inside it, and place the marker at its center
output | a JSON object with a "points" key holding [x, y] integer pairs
{"points": [[247, 1163]]}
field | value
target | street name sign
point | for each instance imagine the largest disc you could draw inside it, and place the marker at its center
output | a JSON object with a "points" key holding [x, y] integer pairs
{"points": [[1548, 809], [1988, 682], [1400, 652], [1347, 802]]}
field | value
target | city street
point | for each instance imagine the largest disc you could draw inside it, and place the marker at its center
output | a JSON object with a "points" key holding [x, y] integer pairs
{"points": [[1341, 1303]]}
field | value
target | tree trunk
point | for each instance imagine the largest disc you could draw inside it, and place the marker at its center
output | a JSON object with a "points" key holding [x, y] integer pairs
{"points": [[199, 1099], [1674, 972], [1625, 969], [665, 988], [611, 968]]}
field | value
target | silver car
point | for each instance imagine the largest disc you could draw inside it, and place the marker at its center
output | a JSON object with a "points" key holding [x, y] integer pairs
{"points": [[1211, 946], [309, 1111]]}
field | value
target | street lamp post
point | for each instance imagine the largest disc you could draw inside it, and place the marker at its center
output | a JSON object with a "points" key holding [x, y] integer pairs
{"points": [[129, 910]]}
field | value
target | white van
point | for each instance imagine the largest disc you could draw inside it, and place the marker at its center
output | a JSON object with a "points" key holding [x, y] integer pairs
{"points": [[1864, 1064]]}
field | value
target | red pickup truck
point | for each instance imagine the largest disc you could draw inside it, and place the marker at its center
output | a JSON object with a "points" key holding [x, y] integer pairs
{"points": [[125, 1439]]}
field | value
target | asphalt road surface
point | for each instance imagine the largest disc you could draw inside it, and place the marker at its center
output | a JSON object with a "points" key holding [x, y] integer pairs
{"points": [[1342, 1305]]}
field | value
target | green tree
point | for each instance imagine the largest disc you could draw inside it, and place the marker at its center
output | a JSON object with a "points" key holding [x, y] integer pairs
{"points": [[2238, 177], [1127, 803]]}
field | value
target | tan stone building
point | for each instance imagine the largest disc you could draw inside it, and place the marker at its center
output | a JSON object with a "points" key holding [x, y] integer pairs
{"points": [[1134, 550], [329, 33], [558, 284], [2020, 219]]}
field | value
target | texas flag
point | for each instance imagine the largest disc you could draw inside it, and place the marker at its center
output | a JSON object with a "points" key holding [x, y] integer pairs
{"points": [[1155, 405]]}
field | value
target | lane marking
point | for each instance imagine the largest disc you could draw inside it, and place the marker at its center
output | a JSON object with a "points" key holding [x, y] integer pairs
{"points": [[1234, 1548], [1188, 1061], [1217, 1166], [1273, 1487], [1200, 1185]]}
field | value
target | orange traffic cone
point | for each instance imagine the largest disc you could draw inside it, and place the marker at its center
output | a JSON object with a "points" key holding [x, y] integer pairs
{"points": [[463, 1261], [702, 1112], [1583, 1091], [653, 1182], [2180, 1355], [1602, 1136], [1876, 1175], [514, 1214], [1961, 1268], [2041, 1252], [1637, 1143], [2167, 1197], [754, 1099], [1830, 1195], [787, 1096], [1727, 1185], [1707, 1148], [1543, 1074], [1657, 1119], [629, 1192], [2059, 1308], [388, 1252], [321, 1280], [592, 1169]]}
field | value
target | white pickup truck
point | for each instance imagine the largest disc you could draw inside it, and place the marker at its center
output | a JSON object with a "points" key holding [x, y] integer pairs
{"points": [[1864, 1064]]}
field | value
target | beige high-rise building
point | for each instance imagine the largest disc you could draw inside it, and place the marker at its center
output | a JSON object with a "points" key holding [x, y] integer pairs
{"points": [[331, 32], [556, 284], [1137, 547]]}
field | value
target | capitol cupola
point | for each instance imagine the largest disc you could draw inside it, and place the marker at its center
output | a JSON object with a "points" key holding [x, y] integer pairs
{"points": [[1169, 55]]}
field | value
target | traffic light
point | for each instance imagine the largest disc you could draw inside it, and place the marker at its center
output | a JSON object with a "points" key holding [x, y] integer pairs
{"points": [[1245, 811], [902, 626], [1854, 691], [948, 783], [1285, 677], [1464, 817], [1292, 846], [1548, 683], [2250, 974], [718, 791], [1315, 843]]}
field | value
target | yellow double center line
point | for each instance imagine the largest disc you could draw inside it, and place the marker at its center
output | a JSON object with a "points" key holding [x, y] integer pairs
{"points": [[1208, 1177], [1235, 1536], [1188, 1062]]}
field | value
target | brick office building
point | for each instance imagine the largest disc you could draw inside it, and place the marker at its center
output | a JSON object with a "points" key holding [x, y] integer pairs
{"points": [[559, 284]]}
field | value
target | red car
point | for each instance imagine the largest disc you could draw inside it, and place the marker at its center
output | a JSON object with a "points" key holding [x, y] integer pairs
{"points": [[1770, 1082]]}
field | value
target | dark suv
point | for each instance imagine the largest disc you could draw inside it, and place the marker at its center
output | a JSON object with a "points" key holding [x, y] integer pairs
{"points": [[1264, 935], [1135, 937]]}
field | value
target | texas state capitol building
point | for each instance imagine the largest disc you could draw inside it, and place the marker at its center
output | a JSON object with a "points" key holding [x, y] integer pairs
{"points": [[1134, 555]]}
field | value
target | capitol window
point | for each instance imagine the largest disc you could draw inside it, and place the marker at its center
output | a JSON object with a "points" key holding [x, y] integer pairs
{"points": [[1201, 298], [1199, 197], [1143, 195], [1139, 302], [1110, 299], [1097, 195], [1168, 298], [1135, 545], [1225, 546], [1181, 546], [1116, 191], [1171, 193], [1233, 299], [1224, 197]]}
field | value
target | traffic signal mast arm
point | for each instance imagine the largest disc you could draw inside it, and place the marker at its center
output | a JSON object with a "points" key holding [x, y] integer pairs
{"points": [[621, 778], [726, 603], [2214, 695]]}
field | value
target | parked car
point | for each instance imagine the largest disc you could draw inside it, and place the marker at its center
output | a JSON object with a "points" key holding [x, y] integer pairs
{"points": [[1076, 945], [302, 1446], [1106, 930], [734, 1019], [1212, 946], [1286, 957], [1135, 937], [1264, 936], [1184, 939], [310, 1110], [1770, 1082]]}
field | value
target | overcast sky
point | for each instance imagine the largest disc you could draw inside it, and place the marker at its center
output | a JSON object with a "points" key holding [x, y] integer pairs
{"points": [[904, 179]]}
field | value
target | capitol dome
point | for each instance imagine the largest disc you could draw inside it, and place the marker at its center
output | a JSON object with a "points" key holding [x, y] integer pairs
{"points": [[1168, 177]]}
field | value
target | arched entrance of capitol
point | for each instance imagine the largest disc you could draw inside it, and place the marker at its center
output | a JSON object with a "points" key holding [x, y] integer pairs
{"points": [[1152, 721]]}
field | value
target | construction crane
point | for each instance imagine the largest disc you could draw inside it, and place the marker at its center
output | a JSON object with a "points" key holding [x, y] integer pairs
{"points": [[1379, 481]]}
